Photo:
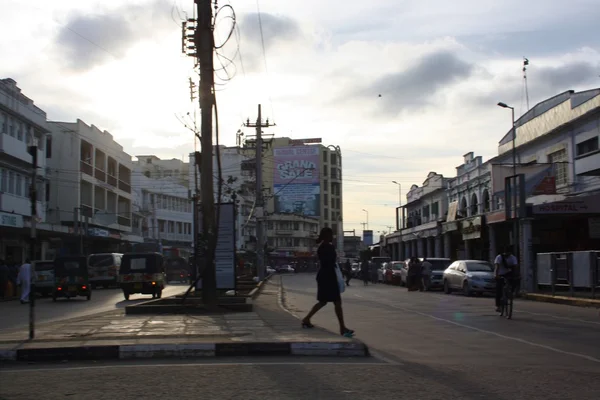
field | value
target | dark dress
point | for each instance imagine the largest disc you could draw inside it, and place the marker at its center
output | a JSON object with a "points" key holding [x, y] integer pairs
{"points": [[327, 284]]}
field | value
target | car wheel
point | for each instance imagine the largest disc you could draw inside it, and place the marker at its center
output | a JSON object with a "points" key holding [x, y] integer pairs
{"points": [[466, 290], [447, 288]]}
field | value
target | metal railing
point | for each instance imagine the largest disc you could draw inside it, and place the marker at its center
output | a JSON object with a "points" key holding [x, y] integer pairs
{"points": [[86, 168], [574, 273]]}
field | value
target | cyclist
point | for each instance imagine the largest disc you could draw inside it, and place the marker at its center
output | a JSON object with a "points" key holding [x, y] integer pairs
{"points": [[505, 266]]}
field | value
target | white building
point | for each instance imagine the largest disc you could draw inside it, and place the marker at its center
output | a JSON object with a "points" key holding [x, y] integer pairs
{"points": [[153, 167], [22, 124], [422, 214], [90, 182], [165, 209]]}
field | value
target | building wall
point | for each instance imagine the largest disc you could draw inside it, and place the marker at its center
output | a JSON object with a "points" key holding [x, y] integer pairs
{"points": [[88, 163], [471, 187]]}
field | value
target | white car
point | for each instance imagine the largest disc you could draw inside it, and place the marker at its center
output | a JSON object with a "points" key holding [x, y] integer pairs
{"points": [[285, 269], [470, 276]]}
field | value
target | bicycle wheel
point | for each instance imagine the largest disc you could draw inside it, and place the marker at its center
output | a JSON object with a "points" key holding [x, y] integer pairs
{"points": [[509, 303]]}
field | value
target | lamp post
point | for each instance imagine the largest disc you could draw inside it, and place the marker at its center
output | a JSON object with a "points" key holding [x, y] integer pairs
{"points": [[514, 180], [367, 218], [399, 216]]}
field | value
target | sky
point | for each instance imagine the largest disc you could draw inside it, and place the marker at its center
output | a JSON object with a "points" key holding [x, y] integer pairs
{"points": [[440, 68]]}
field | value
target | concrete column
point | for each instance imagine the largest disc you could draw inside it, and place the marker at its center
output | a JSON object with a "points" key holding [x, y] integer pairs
{"points": [[526, 256], [438, 246], [431, 247], [414, 248], [468, 254], [394, 251], [492, 237], [447, 245], [420, 247], [401, 252]]}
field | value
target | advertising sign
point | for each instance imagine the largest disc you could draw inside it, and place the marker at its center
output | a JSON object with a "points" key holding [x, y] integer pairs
{"points": [[296, 182], [225, 251], [368, 238], [539, 178], [12, 220]]}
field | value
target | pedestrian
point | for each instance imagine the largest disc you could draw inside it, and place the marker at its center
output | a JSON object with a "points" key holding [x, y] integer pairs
{"points": [[24, 279], [426, 273], [328, 289], [413, 276], [348, 272], [364, 271]]}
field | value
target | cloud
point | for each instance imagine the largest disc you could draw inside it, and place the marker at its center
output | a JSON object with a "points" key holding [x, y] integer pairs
{"points": [[417, 86], [88, 40]]}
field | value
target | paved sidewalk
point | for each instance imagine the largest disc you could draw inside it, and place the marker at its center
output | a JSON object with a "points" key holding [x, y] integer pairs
{"points": [[568, 300], [267, 330]]}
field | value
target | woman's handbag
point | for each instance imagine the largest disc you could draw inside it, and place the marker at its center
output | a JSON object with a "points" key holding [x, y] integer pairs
{"points": [[340, 278]]}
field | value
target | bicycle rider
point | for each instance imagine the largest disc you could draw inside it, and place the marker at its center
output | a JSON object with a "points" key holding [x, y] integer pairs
{"points": [[505, 266]]}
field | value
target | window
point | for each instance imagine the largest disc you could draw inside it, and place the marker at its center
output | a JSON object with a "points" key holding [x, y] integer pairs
{"points": [[334, 159], [47, 192], [28, 188], [324, 156], [588, 146], [326, 185], [296, 226], [11, 127], [20, 131], [435, 209], [326, 199], [559, 159], [325, 213], [11, 182], [49, 147], [148, 161], [3, 123], [19, 185]]}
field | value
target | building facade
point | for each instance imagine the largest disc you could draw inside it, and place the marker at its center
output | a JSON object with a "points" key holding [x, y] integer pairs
{"points": [[153, 167], [291, 238], [22, 124], [90, 188]]}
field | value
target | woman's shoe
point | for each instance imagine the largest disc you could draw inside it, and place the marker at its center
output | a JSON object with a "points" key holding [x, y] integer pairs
{"points": [[307, 325], [347, 332]]}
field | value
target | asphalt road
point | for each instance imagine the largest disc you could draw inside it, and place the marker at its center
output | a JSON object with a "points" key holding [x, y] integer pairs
{"points": [[13, 314]]}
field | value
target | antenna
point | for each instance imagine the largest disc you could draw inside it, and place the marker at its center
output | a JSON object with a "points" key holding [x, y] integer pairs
{"points": [[525, 64]]}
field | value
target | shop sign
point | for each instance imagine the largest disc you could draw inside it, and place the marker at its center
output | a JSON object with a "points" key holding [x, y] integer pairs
{"points": [[496, 216], [97, 232], [575, 205], [471, 228], [449, 226], [12, 220]]}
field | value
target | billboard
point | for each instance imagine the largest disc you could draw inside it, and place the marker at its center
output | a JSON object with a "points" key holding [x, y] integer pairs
{"points": [[296, 180], [368, 237]]}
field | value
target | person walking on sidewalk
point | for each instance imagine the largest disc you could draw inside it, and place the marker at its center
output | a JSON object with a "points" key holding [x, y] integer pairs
{"points": [[348, 272], [328, 290], [425, 273], [364, 271], [24, 279]]}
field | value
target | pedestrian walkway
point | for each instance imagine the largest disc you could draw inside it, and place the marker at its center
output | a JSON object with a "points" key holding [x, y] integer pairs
{"points": [[267, 330], [568, 300]]}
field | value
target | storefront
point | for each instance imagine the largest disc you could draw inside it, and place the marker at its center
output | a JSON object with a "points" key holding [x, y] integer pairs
{"points": [[13, 238], [475, 238]]}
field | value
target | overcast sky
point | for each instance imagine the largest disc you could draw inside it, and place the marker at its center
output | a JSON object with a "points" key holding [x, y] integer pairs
{"points": [[440, 68]]}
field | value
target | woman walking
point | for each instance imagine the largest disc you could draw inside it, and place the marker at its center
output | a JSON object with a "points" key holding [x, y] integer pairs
{"points": [[327, 284]]}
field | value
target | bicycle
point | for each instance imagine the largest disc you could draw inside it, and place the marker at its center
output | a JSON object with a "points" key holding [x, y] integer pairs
{"points": [[506, 305]]}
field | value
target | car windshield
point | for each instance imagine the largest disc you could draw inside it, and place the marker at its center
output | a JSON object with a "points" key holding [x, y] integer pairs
{"points": [[44, 267], [101, 260], [439, 265], [479, 266], [397, 266]]}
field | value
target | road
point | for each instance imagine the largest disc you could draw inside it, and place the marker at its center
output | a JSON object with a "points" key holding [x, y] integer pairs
{"points": [[13, 314], [428, 346]]}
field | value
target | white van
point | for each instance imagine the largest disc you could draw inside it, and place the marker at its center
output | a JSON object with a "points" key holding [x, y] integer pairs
{"points": [[104, 269]]}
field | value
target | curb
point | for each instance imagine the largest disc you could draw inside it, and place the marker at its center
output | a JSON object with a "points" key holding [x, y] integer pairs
{"points": [[191, 350], [256, 291], [571, 301]]}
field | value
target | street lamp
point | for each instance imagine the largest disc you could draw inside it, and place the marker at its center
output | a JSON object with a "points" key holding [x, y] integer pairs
{"points": [[398, 215], [514, 185], [367, 218]]}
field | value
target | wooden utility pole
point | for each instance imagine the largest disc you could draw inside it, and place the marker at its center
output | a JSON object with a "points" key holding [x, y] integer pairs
{"points": [[260, 205], [204, 41]]}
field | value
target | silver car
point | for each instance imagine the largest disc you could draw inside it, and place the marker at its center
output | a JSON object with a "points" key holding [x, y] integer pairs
{"points": [[44, 277], [470, 276]]}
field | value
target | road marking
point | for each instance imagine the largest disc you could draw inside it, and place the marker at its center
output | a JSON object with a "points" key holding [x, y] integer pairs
{"points": [[543, 346], [187, 365], [558, 317], [358, 295], [377, 354]]}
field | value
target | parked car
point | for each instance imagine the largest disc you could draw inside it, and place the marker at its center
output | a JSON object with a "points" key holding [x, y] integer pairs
{"points": [[470, 276], [270, 270], [438, 266], [283, 269], [393, 272]]}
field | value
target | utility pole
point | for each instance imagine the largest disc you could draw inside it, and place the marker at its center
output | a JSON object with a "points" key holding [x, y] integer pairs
{"points": [[259, 211], [204, 41], [33, 150], [364, 224]]}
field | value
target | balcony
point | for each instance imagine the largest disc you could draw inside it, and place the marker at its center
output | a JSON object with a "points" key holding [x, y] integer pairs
{"points": [[111, 180], [588, 165], [124, 186], [100, 175], [18, 149], [87, 211], [20, 205], [86, 168]]}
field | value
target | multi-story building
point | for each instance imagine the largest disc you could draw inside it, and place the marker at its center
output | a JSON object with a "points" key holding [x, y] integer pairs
{"points": [[165, 209], [22, 124], [465, 230], [153, 167], [291, 238], [90, 186], [303, 177]]}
